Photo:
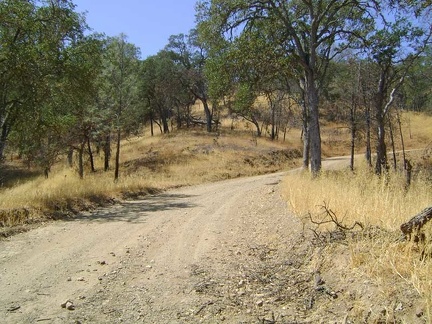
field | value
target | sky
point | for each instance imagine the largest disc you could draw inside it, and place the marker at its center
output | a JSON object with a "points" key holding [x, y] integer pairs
{"points": [[147, 23]]}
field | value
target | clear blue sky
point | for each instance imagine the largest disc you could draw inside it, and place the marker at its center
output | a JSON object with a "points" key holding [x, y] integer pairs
{"points": [[147, 23]]}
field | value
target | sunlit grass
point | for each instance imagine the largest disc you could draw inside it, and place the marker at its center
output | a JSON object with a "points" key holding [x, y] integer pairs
{"points": [[381, 204], [148, 164]]}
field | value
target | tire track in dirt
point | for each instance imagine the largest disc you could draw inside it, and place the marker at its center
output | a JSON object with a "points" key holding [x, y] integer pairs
{"points": [[136, 251]]}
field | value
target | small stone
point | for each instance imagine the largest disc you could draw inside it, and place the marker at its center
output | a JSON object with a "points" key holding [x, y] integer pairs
{"points": [[260, 303], [419, 312], [102, 262], [68, 304], [69, 279], [80, 279], [399, 307]]}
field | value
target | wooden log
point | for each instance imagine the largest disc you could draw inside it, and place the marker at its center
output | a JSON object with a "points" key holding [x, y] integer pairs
{"points": [[417, 222]]}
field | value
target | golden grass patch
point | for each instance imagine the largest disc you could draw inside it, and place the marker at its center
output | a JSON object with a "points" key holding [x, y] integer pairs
{"points": [[376, 253], [148, 164]]}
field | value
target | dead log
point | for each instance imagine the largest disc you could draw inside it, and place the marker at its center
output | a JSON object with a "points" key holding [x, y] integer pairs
{"points": [[416, 223]]}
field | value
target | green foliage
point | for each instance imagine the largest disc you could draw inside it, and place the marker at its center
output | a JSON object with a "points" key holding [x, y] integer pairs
{"points": [[416, 91], [41, 58]]}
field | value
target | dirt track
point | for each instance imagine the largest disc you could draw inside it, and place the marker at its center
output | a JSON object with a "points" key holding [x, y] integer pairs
{"points": [[152, 260]]}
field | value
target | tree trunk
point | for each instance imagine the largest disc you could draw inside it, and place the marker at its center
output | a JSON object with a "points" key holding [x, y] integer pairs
{"points": [[401, 134], [305, 137], [381, 148], [3, 140], [368, 138], [107, 152], [179, 119], [353, 132], [254, 121], [393, 145], [165, 125], [117, 159], [314, 126], [209, 115], [90, 152], [273, 120], [81, 160], [70, 157]]}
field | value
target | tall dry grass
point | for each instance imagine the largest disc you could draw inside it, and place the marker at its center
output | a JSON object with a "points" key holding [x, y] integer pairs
{"points": [[381, 204]]}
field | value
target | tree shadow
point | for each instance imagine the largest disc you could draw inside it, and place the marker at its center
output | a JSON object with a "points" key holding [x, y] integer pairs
{"points": [[137, 211]]}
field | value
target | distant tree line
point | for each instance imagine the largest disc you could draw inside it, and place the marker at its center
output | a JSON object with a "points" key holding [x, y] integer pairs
{"points": [[277, 64]]}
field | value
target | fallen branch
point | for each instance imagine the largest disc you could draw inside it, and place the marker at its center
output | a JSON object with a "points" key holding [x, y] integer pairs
{"points": [[334, 219], [416, 223]]}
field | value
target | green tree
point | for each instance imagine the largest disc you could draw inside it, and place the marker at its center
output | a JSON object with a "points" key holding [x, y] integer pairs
{"points": [[36, 68], [190, 54], [120, 89], [417, 94], [309, 33], [163, 88], [392, 48]]}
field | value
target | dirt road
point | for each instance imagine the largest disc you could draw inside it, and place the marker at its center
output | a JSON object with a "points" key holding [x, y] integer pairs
{"points": [[181, 256]]}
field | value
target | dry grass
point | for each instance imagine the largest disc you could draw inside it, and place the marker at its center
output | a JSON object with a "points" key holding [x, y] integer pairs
{"points": [[148, 164], [398, 270]]}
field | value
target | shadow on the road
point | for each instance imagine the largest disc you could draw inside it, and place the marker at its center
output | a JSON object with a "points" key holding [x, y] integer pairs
{"points": [[137, 211]]}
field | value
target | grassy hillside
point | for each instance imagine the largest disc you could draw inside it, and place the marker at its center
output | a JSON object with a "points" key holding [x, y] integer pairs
{"points": [[148, 164]]}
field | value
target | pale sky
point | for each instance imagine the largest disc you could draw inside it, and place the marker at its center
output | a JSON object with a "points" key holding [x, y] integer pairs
{"points": [[147, 23]]}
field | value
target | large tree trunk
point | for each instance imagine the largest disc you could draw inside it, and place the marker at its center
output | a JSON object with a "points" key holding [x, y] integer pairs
{"points": [[314, 126], [305, 137], [381, 147]]}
